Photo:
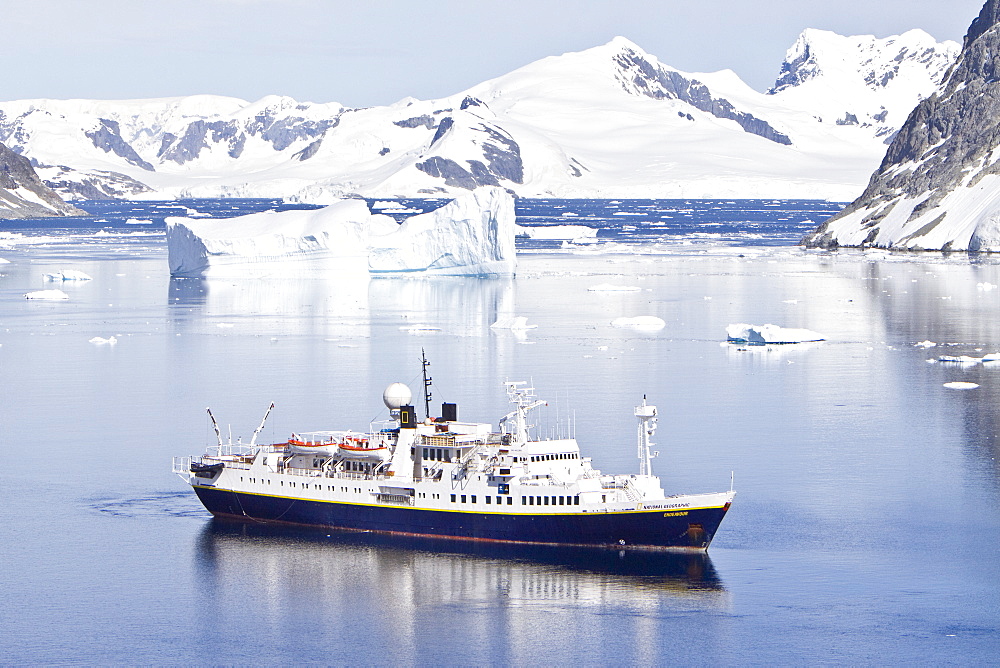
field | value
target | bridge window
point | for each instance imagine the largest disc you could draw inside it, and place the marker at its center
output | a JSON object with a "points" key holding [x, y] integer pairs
{"points": [[453, 498]]}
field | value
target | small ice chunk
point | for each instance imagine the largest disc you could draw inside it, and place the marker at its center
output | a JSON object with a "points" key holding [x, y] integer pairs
{"points": [[50, 295], [961, 386], [67, 275], [763, 334], [224, 325], [419, 329], [642, 322], [518, 322], [925, 344], [4, 261], [986, 287], [608, 287], [99, 341]]}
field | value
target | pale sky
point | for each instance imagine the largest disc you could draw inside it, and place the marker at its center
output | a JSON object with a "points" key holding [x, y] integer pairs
{"points": [[372, 52]]}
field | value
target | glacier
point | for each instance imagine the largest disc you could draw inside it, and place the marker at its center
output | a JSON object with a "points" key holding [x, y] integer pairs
{"points": [[473, 235]]}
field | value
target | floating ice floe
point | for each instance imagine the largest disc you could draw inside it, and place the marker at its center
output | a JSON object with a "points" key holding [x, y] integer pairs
{"points": [[986, 287], [642, 322], [517, 323], [961, 386], [968, 360], [48, 295], [769, 334], [608, 287], [99, 341], [473, 235], [67, 275], [574, 233], [419, 329], [925, 344], [3, 261]]}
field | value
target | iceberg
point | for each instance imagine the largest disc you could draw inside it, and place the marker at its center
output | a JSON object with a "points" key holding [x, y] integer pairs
{"points": [[764, 334], [471, 235], [273, 244]]}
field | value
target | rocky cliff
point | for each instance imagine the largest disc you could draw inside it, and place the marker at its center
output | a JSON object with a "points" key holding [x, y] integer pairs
{"points": [[938, 187], [22, 193]]}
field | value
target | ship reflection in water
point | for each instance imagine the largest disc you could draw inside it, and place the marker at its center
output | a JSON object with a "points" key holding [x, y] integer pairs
{"points": [[410, 589]]}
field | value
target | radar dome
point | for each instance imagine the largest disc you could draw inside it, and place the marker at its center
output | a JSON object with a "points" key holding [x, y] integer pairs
{"points": [[396, 395]]}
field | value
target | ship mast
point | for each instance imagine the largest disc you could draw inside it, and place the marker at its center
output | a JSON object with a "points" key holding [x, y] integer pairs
{"points": [[427, 385], [524, 400], [647, 427]]}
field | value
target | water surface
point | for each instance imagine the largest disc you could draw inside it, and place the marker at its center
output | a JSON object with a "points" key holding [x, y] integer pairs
{"points": [[864, 530]]}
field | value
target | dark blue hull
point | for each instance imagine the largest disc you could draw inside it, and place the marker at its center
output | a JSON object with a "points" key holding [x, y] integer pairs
{"points": [[691, 528]]}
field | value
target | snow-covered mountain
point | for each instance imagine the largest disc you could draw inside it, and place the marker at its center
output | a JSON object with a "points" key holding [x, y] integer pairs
{"points": [[611, 121], [938, 187]]}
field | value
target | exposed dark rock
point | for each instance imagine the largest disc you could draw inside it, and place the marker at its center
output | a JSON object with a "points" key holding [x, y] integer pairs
{"points": [[503, 155], [309, 151], [659, 83], [95, 185], [424, 121], [108, 138], [470, 101], [280, 132], [446, 123], [457, 176], [795, 72]]}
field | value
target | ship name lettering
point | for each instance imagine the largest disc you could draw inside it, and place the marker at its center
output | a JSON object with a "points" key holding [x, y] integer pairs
{"points": [[681, 513]]}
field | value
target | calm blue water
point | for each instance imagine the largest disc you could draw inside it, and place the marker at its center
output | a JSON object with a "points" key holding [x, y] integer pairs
{"points": [[865, 529]]}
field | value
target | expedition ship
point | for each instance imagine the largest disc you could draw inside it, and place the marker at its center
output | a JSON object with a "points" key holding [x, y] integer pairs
{"points": [[448, 478]]}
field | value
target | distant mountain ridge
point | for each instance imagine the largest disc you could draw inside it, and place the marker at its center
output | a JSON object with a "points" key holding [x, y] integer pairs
{"points": [[611, 121], [938, 187]]}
